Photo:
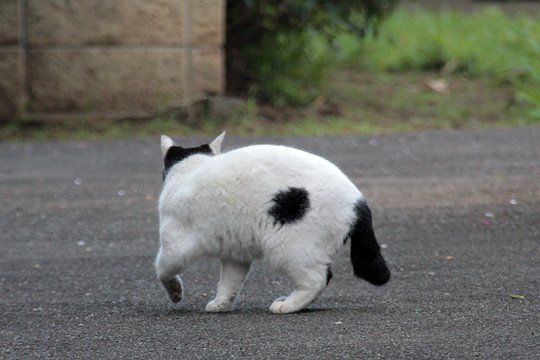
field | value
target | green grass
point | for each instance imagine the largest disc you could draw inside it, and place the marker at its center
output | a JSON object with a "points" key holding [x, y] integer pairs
{"points": [[488, 44]]}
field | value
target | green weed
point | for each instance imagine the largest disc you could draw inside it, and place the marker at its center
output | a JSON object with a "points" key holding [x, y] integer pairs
{"points": [[289, 68], [488, 44]]}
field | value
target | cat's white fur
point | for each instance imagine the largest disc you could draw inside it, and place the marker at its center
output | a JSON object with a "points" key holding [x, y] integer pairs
{"points": [[218, 205]]}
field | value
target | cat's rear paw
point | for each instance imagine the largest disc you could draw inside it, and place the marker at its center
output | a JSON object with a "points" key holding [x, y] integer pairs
{"points": [[215, 306], [281, 306]]}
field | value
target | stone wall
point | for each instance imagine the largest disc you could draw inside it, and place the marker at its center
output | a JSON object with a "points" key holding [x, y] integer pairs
{"points": [[108, 57]]}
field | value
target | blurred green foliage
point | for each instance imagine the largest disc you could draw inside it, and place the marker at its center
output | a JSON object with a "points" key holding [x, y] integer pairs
{"points": [[488, 43], [279, 50]]}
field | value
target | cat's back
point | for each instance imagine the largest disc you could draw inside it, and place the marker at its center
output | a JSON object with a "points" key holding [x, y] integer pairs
{"points": [[272, 160], [261, 170]]}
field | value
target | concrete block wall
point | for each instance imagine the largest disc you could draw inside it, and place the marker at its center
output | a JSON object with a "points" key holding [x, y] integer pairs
{"points": [[108, 57]]}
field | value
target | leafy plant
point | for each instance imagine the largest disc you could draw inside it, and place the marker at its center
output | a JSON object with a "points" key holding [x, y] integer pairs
{"points": [[280, 48], [489, 44]]}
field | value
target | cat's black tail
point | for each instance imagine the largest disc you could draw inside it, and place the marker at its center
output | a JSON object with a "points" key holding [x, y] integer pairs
{"points": [[366, 256]]}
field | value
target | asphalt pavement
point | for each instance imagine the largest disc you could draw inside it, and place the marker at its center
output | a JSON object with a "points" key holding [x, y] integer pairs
{"points": [[457, 212]]}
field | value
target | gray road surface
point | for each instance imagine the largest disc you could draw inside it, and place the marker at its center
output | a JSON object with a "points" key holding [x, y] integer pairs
{"points": [[458, 214]]}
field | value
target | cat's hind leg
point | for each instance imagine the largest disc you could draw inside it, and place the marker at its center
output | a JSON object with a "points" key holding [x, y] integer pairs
{"points": [[310, 281], [232, 277]]}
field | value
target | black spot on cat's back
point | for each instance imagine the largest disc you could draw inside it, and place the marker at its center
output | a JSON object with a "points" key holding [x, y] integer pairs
{"points": [[175, 154], [289, 205]]}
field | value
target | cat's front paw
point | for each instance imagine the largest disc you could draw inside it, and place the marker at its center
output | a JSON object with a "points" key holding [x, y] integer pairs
{"points": [[174, 289], [217, 306]]}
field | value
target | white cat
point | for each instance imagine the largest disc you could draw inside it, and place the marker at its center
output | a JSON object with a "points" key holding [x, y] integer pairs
{"points": [[289, 207]]}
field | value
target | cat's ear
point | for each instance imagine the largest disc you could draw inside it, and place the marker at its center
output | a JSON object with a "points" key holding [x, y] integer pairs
{"points": [[166, 143], [216, 144]]}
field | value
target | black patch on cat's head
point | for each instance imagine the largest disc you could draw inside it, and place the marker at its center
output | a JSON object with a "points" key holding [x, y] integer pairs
{"points": [[289, 205], [175, 154]]}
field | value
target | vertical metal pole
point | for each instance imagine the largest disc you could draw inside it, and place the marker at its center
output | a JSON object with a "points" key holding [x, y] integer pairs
{"points": [[22, 55], [188, 48]]}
